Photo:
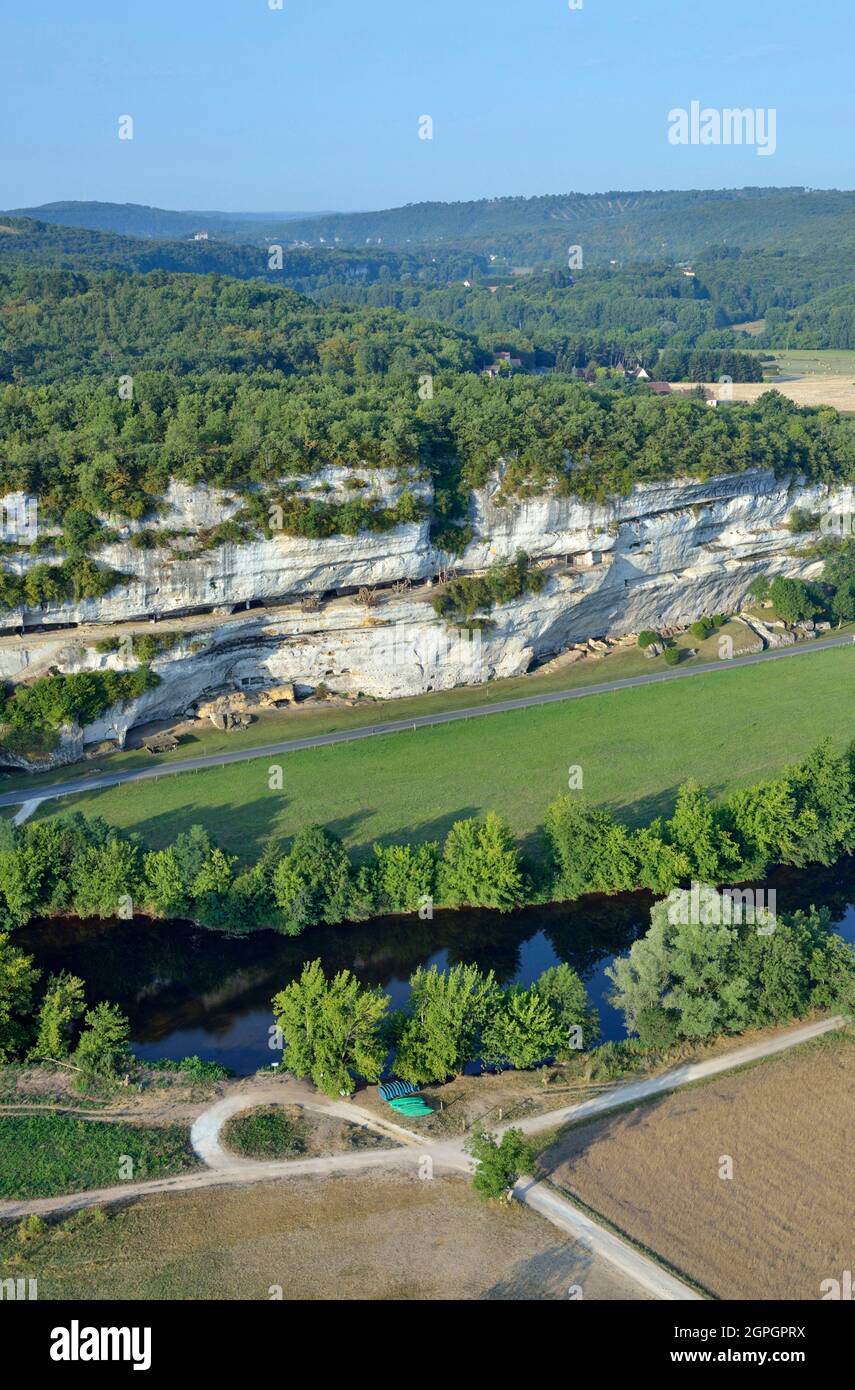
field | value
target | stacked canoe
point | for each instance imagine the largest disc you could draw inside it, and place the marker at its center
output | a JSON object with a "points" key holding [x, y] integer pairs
{"points": [[402, 1098]]}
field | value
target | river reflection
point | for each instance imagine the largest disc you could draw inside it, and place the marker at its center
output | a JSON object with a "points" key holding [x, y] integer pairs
{"points": [[188, 991]]}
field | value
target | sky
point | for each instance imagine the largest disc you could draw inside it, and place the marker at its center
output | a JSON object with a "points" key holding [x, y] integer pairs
{"points": [[305, 105]]}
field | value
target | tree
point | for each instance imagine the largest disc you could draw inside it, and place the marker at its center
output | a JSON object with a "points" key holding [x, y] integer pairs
{"points": [[695, 829], [62, 1005], [446, 1013], [314, 880], [500, 1163], [17, 982], [521, 1030], [104, 877], [481, 865], [592, 851], [759, 588], [696, 974], [660, 865], [793, 600], [211, 887], [843, 603], [331, 1029], [404, 876], [164, 891], [102, 1052], [579, 1024]]}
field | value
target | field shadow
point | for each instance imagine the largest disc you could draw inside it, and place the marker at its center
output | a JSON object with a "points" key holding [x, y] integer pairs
{"points": [[244, 830], [422, 833], [645, 808], [556, 1162], [550, 1274]]}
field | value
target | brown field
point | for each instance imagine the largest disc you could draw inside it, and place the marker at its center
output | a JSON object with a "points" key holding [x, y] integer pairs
{"points": [[784, 1223], [838, 391], [377, 1235]]}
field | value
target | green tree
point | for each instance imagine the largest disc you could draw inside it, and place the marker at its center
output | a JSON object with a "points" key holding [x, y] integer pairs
{"points": [[592, 851], [106, 878], [17, 981], [331, 1029], [102, 1052], [62, 1005], [500, 1162], [843, 602], [561, 988], [480, 865], [164, 891], [446, 1013], [404, 876], [521, 1030], [696, 830], [311, 883], [793, 600]]}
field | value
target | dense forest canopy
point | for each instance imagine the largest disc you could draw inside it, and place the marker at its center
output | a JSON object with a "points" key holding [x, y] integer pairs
{"points": [[78, 443], [241, 382]]}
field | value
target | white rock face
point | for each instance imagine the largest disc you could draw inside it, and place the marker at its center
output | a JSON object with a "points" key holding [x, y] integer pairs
{"points": [[666, 554]]}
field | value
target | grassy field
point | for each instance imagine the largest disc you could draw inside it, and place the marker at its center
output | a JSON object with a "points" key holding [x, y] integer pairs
{"points": [[728, 728], [816, 362], [45, 1155], [782, 1224], [376, 1236], [314, 717]]}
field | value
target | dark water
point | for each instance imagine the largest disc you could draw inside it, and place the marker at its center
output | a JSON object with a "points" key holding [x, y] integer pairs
{"points": [[188, 991]]}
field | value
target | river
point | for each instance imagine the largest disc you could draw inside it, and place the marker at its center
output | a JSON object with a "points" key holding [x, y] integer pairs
{"points": [[188, 991]]}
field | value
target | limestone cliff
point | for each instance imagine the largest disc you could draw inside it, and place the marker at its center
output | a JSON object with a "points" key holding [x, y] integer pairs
{"points": [[667, 553]]}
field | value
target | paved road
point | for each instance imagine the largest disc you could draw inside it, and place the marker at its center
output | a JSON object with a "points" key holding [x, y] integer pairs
{"points": [[424, 721], [449, 1155]]}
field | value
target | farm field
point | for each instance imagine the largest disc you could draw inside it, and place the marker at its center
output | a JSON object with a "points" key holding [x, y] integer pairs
{"points": [[381, 1236], [782, 1224], [806, 377], [727, 729]]}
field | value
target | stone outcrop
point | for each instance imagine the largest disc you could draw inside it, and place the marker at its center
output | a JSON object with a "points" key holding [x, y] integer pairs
{"points": [[661, 557]]}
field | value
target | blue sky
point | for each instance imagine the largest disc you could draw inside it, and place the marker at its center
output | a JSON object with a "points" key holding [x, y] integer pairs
{"points": [[316, 106]]}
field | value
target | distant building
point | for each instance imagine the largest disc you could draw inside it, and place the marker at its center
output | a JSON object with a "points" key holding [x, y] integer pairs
{"points": [[201, 236], [642, 375], [659, 388]]}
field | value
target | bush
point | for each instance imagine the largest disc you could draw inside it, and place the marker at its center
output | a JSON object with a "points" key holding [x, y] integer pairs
{"points": [[647, 639], [500, 1163], [673, 656]]}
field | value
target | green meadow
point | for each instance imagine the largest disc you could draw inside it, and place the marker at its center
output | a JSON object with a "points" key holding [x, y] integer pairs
{"points": [[727, 728]]}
